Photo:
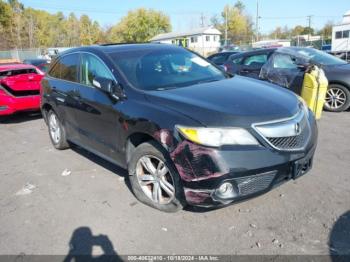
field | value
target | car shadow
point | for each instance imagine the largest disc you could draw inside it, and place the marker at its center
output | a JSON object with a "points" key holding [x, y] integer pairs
{"points": [[20, 117], [82, 243], [339, 239], [104, 163]]}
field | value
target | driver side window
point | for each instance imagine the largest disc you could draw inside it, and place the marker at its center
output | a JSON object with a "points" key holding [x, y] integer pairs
{"points": [[92, 67], [283, 61]]}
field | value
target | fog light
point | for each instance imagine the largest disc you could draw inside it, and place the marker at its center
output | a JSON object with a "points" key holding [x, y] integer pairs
{"points": [[2, 108], [226, 190]]}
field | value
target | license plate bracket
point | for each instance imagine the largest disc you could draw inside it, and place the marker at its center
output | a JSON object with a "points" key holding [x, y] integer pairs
{"points": [[301, 167]]}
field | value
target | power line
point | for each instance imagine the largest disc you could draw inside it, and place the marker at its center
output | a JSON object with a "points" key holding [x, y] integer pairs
{"points": [[295, 17]]}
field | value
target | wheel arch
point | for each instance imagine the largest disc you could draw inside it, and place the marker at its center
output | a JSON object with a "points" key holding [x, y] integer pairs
{"points": [[337, 82], [45, 109], [134, 140]]}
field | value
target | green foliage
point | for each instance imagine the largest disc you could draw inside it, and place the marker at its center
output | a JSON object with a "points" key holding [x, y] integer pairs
{"points": [[140, 26], [298, 30], [239, 24], [326, 31], [22, 27], [286, 33], [280, 33], [28, 28]]}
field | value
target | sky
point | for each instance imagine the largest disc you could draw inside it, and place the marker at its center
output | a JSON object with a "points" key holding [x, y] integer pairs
{"points": [[186, 14]]}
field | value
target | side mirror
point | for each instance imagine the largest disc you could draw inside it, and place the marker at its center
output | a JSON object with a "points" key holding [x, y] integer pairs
{"points": [[109, 86], [302, 67]]}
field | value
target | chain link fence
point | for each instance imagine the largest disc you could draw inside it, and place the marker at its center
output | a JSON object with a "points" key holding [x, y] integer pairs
{"points": [[20, 54]]}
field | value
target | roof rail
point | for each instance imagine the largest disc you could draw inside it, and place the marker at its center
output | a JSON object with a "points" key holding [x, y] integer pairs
{"points": [[132, 43]]}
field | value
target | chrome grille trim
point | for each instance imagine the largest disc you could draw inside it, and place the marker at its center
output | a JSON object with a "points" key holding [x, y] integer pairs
{"points": [[292, 134]]}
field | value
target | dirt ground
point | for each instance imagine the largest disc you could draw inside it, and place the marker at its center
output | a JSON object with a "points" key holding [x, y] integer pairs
{"points": [[54, 202]]}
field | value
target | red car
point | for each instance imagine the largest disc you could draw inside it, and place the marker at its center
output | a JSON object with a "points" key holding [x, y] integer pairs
{"points": [[19, 88]]}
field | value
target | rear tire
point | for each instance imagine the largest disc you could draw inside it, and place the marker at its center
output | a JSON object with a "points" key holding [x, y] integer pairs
{"points": [[337, 98], [56, 131], [153, 179]]}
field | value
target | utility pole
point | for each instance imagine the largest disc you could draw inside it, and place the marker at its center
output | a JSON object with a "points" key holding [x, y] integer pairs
{"points": [[226, 14], [257, 21], [309, 18], [202, 20]]}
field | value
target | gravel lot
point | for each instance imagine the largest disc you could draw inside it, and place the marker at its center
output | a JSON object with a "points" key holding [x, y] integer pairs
{"points": [[54, 202]]}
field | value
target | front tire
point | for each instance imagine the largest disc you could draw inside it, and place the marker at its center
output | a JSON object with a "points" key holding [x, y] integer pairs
{"points": [[56, 131], [337, 98], [153, 179]]}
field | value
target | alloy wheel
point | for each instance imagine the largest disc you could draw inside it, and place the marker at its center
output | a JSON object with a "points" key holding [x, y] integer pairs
{"points": [[155, 179], [335, 98], [55, 130]]}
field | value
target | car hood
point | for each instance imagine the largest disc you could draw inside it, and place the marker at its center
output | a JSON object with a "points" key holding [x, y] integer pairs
{"points": [[344, 68], [238, 101]]}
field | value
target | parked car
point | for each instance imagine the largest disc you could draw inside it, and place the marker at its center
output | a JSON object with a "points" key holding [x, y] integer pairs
{"points": [[345, 55], [221, 58], [187, 132], [42, 64], [289, 62], [19, 88]]}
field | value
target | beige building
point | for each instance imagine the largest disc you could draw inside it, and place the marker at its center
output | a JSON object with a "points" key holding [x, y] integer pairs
{"points": [[203, 40]]}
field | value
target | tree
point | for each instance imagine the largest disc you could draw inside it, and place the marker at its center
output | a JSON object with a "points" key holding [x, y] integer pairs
{"points": [[308, 30], [239, 5], [140, 26], [326, 31], [73, 27], [5, 25], [297, 30], [239, 25], [280, 33]]}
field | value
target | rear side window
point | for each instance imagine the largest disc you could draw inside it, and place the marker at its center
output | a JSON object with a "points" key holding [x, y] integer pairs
{"points": [[256, 60], [66, 68], [218, 59], [16, 72], [237, 60]]}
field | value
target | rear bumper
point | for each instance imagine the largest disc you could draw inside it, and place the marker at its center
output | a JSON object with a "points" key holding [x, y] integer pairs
{"points": [[10, 104]]}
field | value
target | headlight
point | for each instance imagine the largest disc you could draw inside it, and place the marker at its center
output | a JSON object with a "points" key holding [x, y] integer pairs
{"points": [[304, 105], [218, 136]]}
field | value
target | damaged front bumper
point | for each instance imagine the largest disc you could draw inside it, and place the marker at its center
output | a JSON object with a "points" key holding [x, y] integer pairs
{"points": [[245, 184], [248, 170]]}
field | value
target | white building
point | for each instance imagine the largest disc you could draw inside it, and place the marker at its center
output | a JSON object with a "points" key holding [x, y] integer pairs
{"points": [[341, 35], [203, 40], [271, 43]]}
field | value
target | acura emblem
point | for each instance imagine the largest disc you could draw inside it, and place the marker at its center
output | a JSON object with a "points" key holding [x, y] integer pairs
{"points": [[297, 128]]}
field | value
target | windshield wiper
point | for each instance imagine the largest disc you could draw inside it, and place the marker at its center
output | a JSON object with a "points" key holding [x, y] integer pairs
{"points": [[166, 88], [207, 81]]}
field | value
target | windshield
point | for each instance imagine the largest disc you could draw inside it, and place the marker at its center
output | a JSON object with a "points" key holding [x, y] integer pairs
{"points": [[151, 69], [321, 57]]}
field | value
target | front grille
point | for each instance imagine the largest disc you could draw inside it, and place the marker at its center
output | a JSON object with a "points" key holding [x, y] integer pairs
{"points": [[290, 142], [286, 135], [254, 184]]}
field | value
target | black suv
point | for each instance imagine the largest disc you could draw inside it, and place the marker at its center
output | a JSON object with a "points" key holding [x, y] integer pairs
{"points": [[186, 132]]}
